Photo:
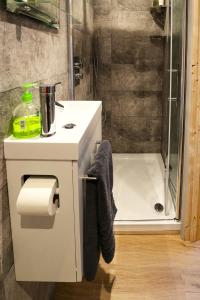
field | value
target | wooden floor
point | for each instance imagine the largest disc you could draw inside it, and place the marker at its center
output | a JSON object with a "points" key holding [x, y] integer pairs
{"points": [[145, 267]]}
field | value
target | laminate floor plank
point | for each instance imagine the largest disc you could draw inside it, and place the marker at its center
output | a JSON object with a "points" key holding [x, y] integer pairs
{"points": [[192, 296], [145, 267]]}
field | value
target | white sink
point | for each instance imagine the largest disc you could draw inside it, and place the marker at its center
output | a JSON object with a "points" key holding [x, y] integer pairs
{"points": [[66, 144]]}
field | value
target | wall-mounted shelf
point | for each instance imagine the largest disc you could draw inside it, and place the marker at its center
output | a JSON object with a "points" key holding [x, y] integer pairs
{"points": [[48, 12], [159, 15]]}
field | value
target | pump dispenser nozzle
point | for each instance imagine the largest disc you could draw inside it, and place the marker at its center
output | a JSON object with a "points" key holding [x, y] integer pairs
{"points": [[27, 96]]}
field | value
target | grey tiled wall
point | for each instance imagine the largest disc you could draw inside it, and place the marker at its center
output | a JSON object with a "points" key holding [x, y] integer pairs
{"points": [[29, 51], [129, 71], [83, 31]]}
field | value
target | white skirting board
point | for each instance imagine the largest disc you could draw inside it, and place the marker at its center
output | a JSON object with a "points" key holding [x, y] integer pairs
{"points": [[147, 226]]}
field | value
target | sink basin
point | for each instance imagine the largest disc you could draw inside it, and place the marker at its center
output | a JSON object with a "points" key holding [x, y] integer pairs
{"points": [[66, 144]]}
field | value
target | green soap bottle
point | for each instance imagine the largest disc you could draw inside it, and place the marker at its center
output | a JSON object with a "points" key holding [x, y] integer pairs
{"points": [[26, 116]]}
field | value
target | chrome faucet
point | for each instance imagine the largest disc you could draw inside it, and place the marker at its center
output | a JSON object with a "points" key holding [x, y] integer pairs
{"points": [[47, 108]]}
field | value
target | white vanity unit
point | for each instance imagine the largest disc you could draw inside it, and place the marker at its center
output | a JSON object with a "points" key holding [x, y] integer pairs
{"points": [[50, 248]]}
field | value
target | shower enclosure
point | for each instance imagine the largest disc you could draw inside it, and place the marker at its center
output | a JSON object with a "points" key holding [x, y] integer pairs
{"points": [[176, 100], [132, 57]]}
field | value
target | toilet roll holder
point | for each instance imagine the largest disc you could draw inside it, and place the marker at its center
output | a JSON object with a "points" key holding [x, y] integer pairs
{"points": [[38, 196], [56, 200]]}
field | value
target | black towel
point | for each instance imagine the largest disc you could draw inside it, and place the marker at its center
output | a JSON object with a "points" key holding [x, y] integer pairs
{"points": [[99, 212], [102, 169], [91, 248]]}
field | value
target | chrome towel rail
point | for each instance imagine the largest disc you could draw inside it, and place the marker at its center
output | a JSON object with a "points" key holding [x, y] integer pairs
{"points": [[88, 178]]}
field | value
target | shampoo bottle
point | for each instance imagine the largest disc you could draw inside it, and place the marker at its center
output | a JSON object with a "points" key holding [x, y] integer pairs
{"points": [[26, 116]]}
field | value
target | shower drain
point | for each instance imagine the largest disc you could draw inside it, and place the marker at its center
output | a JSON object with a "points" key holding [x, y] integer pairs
{"points": [[158, 207]]}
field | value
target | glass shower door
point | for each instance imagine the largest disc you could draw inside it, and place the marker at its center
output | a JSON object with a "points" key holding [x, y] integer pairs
{"points": [[176, 100]]}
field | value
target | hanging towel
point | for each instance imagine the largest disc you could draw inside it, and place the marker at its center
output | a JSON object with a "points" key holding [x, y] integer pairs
{"points": [[102, 169], [91, 248]]}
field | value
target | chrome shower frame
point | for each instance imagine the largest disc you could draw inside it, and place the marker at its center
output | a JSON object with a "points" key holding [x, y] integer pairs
{"points": [[177, 200], [71, 89]]}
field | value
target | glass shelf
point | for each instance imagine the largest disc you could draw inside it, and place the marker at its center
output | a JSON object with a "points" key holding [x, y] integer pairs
{"points": [[46, 11]]}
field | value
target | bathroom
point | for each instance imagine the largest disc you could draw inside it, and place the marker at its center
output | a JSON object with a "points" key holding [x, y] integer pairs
{"points": [[140, 58]]}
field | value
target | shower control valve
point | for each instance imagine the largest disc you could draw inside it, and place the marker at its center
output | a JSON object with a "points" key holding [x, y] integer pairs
{"points": [[78, 65], [78, 76]]}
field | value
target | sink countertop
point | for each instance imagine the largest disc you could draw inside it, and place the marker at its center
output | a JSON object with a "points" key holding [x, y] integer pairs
{"points": [[66, 143]]}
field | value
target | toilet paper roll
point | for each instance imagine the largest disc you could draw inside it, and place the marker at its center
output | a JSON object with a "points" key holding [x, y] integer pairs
{"points": [[36, 197]]}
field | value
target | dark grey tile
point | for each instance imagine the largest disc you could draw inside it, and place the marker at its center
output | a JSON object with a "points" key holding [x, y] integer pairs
{"points": [[87, 50], [102, 3], [7, 104], [83, 49], [102, 8], [5, 234], [128, 48], [78, 38], [102, 14], [133, 21], [127, 78], [106, 133], [102, 49], [136, 104], [153, 105], [136, 5], [84, 91], [135, 107], [119, 143], [83, 15], [155, 129], [103, 78], [2, 33], [117, 104], [63, 5], [103, 25], [106, 124], [3, 177], [78, 10], [83, 42], [81, 91], [89, 17], [132, 128], [4, 204], [136, 130], [2, 295], [144, 147], [106, 98], [102, 32]]}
